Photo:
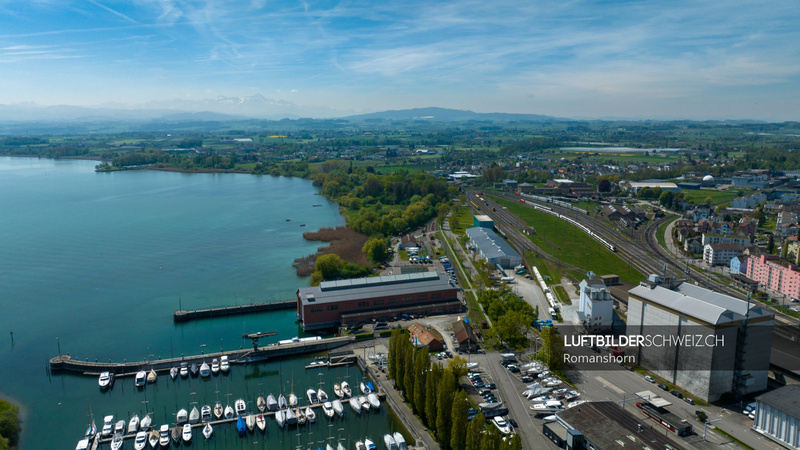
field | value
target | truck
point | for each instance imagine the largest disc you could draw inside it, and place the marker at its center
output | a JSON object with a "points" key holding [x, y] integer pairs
{"points": [[552, 313], [508, 356], [507, 279]]}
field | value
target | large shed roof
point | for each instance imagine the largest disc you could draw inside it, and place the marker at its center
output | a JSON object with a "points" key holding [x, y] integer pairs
{"points": [[363, 288], [490, 243], [785, 399]]}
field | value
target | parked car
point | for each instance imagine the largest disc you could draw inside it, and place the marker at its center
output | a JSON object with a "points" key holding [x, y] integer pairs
{"points": [[688, 400], [513, 423], [480, 350], [513, 369], [663, 386], [479, 384], [491, 386], [676, 394], [649, 378], [527, 379]]}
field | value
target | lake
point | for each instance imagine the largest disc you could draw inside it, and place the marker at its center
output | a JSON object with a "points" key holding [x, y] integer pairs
{"points": [[94, 264]]}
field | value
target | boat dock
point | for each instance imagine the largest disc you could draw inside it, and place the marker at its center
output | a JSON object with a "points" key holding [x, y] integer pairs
{"points": [[283, 348], [187, 315]]}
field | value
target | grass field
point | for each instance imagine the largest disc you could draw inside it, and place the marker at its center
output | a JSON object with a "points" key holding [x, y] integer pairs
{"points": [[571, 245], [717, 197], [461, 220]]}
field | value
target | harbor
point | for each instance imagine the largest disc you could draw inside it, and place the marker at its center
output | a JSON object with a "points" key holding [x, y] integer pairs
{"points": [[209, 313]]}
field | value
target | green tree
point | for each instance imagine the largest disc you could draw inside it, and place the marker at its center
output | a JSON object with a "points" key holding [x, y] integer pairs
{"points": [[459, 414], [475, 432], [444, 407], [771, 244], [513, 327], [492, 440], [408, 365], [400, 359], [552, 348], [422, 362], [431, 389], [330, 266], [391, 359], [376, 249]]}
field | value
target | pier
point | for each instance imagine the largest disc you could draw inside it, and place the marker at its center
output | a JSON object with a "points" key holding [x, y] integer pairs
{"points": [[67, 363], [187, 315]]}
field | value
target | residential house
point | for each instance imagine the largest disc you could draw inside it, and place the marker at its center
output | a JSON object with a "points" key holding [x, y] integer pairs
{"points": [[778, 275], [739, 264], [716, 254], [693, 246]]}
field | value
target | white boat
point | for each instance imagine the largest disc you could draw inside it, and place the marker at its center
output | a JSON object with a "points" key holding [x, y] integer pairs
{"points": [[472, 365], [340, 446], [229, 412], [301, 416], [501, 425], [173, 373], [187, 433], [208, 430], [364, 388], [346, 389], [214, 366], [354, 403], [337, 390], [327, 408], [400, 440], [311, 416], [119, 428], [83, 444], [182, 416], [140, 441], [117, 441], [152, 376], [261, 423], [184, 369], [205, 370], [105, 380], [194, 416], [360, 446], [224, 365], [293, 400], [272, 404], [146, 421], [133, 424], [362, 399], [250, 421], [141, 378], [312, 396], [373, 400], [152, 439], [322, 396], [571, 395], [163, 436], [282, 403], [328, 447], [91, 430], [338, 408], [280, 418], [370, 445], [547, 407], [291, 417], [389, 442], [205, 413], [218, 410], [240, 406], [261, 404]]}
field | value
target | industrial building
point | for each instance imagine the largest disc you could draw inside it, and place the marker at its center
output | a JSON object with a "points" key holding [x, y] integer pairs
{"points": [[484, 221], [778, 416], [708, 343], [360, 300], [596, 308], [492, 248]]}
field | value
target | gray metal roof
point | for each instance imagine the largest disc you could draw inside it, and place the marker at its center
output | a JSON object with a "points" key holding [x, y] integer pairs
{"points": [[702, 304], [362, 288], [786, 399], [490, 243]]}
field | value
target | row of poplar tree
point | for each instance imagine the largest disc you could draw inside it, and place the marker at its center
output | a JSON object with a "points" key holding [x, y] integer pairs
{"points": [[436, 397]]}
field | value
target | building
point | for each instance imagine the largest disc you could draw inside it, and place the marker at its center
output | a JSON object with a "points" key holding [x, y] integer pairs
{"points": [[465, 339], [635, 186], [716, 254], [422, 337], [492, 248], [605, 425], [739, 264], [778, 416], [709, 238], [482, 221], [359, 300], [596, 309], [712, 344], [778, 275]]}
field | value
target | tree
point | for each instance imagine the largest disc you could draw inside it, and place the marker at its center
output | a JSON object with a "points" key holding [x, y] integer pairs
{"points": [[422, 362], [771, 244], [431, 388], [376, 249], [459, 414], [474, 432], [552, 348], [400, 359], [330, 266], [391, 359], [666, 199], [408, 379], [491, 439], [513, 327], [444, 407]]}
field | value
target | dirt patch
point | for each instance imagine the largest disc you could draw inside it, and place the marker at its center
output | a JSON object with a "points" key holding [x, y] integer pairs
{"points": [[344, 242]]}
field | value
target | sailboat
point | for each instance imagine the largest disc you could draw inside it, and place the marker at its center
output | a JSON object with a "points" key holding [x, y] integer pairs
{"points": [[400, 440], [280, 418], [312, 396], [388, 440], [354, 403], [301, 416], [152, 439], [250, 421], [241, 427], [229, 413], [360, 446], [152, 376], [173, 373], [261, 423], [346, 389], [133, 424], [311, 416], [208, 430], [292, 396], [370, 445], [272, 404], [205, 413], [218, 410], [146, 421], [205, 370], [282, 403], [91, 429], [261, 404], [291, 417], [322, 396], [117, 441], [182, 416], [194, 416], [373, 400], [338, 408], [337, 390]]}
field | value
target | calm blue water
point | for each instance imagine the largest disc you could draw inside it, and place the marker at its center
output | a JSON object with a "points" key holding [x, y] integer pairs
{"points": [[97, 262]]}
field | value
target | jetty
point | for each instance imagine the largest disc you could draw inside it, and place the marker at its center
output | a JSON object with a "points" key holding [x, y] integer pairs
{"points": [[290, 347], [187, 315]]}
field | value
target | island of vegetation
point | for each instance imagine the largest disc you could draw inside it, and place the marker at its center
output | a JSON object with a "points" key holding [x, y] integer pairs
{"points": [[9, 425]]}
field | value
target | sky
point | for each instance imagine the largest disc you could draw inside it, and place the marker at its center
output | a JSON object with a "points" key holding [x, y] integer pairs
{"points": [[692, 59]]}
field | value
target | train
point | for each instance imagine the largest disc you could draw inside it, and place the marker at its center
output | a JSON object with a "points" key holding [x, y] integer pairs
{"points": [[583, 227], [555, 201], [551, 299]]}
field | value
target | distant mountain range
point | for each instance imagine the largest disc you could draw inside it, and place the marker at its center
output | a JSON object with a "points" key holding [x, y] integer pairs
{"points": [[449, 115]]}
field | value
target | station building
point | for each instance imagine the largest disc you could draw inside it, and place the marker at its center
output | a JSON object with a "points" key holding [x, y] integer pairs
{"points": [[361, 300], [492, 248], [715, 342]]}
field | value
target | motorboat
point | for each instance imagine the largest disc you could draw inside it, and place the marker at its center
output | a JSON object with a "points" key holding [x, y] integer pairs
{"points": [[187, 433], [229, 412], [311, 416], [241, 427], [119, 428], [400, 440], [312, 396], [363, 387], [184, 369], [574, 404], [389, 442], [293, 400], [547, 407], [208, 430], [140, 441], [83, 444], [117, 441], [240, 406], [250, 421], [146, 421], [194, 369], [472, 365], [205, 370], [360, 446], [214, 367], [291, 417], [560, 392], [152, 376], [355, 405], [91, 430], [141, 378], [346, 389], [194, 416], [282, 403], [105, 380], [224, 365], [272, 404], [571, 395], [218, 410], [337, 407], [280, 418], [163, 436], [337, 390], [364, 402], [173, 373], [322, 396], [261, 404], [489, 406], [261, 423], [301, 416], [152, 439], [501, 424], [182, 416], [373, 400], [133, 424], [205, 413], [370, 445]]}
